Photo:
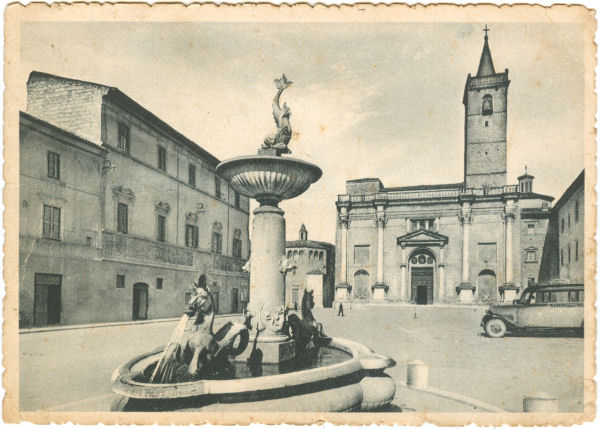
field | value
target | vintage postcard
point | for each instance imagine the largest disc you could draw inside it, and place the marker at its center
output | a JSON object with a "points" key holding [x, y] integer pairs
{"points": [[293, 214]]}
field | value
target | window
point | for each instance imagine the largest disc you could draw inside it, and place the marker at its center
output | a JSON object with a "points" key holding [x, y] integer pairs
{"points": [[577, 250], [53, 170], [486, 105], [217, 187], [162, 158], [159, 283], [191, 236], [217, 245], [531, 229], [120, 281], [417, 224], [569, 221], [569, 254], [562, 257], [362, 254], [576, 211], [124, 138], [487, 123], [575, 296], [160, 227], [562, 225], [531, 256], [122, 215], [237, 248], [192, 175], [237, 199], [320, 256], [51, 222]]}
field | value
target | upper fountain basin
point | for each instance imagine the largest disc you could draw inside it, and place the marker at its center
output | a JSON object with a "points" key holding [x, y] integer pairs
{"points": [[269, 179]]}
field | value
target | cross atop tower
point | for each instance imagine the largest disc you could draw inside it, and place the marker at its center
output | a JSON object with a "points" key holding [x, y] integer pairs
{"points": [[486, 29]]}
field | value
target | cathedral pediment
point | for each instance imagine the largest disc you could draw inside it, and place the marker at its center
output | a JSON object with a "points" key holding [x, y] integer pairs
{"points": [[422, 237]]}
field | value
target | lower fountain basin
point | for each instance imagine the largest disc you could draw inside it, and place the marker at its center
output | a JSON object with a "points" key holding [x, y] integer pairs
{"points": [[356, 382]]}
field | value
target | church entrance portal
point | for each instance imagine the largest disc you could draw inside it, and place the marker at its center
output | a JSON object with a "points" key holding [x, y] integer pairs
{"points": [[422, 285]]}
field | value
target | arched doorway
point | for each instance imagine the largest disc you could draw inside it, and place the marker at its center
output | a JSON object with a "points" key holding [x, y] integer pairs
{"points": [[140, 301], [422, 263], [486, 286], [362, 284]]}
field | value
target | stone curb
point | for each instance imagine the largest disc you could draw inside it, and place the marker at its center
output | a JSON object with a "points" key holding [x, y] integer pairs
{"points": [[458, 398], [109, 324]]}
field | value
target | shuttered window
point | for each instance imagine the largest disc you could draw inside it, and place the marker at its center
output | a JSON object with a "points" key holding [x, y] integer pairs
{"points": [[51, 222], [122, 218]]}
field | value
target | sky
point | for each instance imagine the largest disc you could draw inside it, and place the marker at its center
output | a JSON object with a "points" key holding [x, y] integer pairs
{"points": [[368, 99]]}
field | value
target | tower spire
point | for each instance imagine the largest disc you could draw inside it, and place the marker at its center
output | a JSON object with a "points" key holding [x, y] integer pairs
{"points": [[486, 65]]}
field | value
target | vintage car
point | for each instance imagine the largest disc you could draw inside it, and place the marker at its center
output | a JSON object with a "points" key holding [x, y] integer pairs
{"points": [[541, 307]]}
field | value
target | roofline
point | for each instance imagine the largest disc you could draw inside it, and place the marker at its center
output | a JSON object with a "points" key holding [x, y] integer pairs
{"points": [[364, 179], [115, 94], [523, 176], [35, 73], [570, 190], [420, 187], [534, 196], [323, 243], [28, 116]]}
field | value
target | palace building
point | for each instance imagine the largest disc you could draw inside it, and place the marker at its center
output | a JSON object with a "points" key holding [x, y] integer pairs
{"points": [[119, 212], [479, 240]]}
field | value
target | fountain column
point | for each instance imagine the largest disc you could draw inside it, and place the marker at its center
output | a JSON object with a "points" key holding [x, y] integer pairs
{"points": [[267, 283], [269, 178]]}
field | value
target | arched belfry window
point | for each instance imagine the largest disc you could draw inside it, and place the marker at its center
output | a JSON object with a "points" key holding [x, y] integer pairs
{"points": [[487, 107]]}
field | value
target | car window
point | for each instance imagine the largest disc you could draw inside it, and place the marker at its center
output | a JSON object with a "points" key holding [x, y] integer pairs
{"points": [[532, 298]]}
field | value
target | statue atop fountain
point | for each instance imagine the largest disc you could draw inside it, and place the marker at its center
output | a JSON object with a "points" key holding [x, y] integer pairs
{"points": [[277, 144]]}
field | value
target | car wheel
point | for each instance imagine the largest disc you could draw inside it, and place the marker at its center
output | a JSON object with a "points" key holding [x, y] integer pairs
{"points": [[495, 328]]}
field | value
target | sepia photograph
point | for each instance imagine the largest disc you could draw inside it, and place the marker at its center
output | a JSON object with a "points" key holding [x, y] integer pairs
{"points": [[252, 213]]}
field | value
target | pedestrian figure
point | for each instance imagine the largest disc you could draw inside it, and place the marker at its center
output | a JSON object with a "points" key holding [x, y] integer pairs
{"points": [[341, 310]]}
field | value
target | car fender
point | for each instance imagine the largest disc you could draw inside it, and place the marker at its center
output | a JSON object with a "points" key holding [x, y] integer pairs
{"points": [[509, 324]]}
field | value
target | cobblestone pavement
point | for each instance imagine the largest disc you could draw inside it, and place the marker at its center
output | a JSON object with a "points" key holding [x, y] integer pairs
{"points": [[71, 369]]}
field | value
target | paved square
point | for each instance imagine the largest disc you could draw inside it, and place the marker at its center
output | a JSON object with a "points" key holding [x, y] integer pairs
{"points": [[70, 369]]}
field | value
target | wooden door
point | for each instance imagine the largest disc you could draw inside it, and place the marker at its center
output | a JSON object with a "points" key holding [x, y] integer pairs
{"points": [[47, 299], [140, 301], [422, 285]]}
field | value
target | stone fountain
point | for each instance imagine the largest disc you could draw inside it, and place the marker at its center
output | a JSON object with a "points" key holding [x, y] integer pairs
{"points": [[340, 376]]}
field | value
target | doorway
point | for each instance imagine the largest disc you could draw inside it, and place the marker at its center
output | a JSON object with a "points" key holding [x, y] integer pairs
{"points": [[486, 286], [422, 285], [361, 285], [46, 300], [235, 300], [140, 301]]}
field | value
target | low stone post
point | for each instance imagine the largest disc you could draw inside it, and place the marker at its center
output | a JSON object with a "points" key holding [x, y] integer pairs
{"points": [[417, 374], [540, 403]]}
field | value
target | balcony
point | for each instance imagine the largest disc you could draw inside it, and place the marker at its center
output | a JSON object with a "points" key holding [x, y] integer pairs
{"points": [[228, 263], [116, 245]]}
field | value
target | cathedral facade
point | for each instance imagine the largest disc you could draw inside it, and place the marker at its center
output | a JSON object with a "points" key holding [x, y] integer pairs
{"points": [[479, 240]]}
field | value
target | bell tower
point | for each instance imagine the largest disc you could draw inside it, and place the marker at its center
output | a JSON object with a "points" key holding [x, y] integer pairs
{"points": [[485, 101]]}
